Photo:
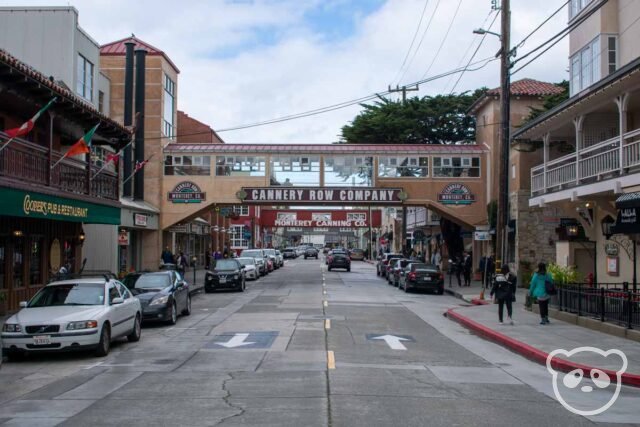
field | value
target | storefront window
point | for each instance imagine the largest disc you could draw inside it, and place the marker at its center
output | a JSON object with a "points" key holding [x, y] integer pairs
{"points": [[18, 262], [69, 259], [35, 261]]}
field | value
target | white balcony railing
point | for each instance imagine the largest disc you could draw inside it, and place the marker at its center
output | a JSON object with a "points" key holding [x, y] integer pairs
{"points": [[599, 161]]}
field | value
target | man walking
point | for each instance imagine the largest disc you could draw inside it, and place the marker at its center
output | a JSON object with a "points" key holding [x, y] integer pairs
{"points": [[504, 288], [467, 266]]}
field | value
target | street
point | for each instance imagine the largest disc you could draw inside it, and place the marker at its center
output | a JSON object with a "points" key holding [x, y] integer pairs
{"points": [[301, 347]]}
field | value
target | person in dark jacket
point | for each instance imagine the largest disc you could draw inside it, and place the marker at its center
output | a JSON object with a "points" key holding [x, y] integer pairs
{"points": [[466, 268], [458, 268], [504, 288], [182, 263], [167, 256], [490, 265]]}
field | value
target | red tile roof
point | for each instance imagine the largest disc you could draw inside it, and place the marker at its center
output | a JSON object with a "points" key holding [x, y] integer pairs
{"points": [[118, 47], [530, 87]]}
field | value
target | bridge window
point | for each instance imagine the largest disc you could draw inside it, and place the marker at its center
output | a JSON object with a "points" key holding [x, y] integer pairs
{"points": [[348, 171], [295, 170], [240, 166], [187, 165], [398, 167], [242, 210], [456, 167], [356, 217], [237, 237]]}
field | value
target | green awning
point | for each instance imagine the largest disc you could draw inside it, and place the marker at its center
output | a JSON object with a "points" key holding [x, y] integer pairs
{"points": [[30, 204], [628, 200]]}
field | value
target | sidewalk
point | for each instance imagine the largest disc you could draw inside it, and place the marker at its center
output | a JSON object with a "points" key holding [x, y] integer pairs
{"points": [[534, 341], [471, 294]]}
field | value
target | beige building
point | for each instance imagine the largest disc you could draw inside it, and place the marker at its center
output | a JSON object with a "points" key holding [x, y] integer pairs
{"points": [[588, 147]]}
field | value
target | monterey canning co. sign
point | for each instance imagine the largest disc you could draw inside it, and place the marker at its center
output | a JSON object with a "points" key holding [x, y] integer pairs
{"points": [[322, 195]]}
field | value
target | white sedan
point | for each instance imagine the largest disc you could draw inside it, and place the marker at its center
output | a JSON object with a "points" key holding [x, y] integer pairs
{"points": [[76, 314], [250, 267]]}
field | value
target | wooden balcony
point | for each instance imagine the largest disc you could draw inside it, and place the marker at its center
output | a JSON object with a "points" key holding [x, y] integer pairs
{"points": [[28, 162]]}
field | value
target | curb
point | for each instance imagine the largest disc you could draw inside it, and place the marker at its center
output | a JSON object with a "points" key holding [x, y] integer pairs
{"points": [[474, 301], [533, 353]]}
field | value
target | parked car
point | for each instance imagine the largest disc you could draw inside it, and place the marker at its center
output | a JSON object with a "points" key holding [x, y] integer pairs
{"points": [[419, 276], [289, 253], [340, 260], [311, 253], [397, 267], [329, 256], [250, 268], [383, 262], [260, 257], [326, 250], [226, 274], [76, 314], [356, 254], [271, 253], [162, 296], [280, 258]]}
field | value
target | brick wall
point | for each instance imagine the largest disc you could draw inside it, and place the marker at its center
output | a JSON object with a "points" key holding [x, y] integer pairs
{"points": [[193, 131]]}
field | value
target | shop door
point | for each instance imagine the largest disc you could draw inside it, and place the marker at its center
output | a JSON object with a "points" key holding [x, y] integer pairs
{"points": [[584, 261]]}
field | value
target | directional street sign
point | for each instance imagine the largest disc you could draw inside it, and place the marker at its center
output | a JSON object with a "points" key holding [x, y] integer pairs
{"points": [[393, 341], [243, 340]]}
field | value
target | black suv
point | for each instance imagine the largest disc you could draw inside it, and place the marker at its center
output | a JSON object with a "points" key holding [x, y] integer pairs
{"points": [[226, 274], [339, 260], [311, 253]]}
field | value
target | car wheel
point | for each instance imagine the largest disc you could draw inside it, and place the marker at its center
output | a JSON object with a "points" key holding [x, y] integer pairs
{"points": [[329, 268], [173, 319], [377, 272], [104, 345], [348, 269], [187, 309], [244, 286], [137, 330], [440, 291], [15, 356]]}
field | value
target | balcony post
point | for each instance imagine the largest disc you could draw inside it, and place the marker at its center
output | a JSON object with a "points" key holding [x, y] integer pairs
{"points": [[545, 152], [578, 123], [51, 116], [622, 101]]}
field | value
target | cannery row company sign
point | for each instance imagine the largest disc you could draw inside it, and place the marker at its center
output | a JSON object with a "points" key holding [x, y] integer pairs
{"points": [[187, 192], [270, 195], [456, 194]]}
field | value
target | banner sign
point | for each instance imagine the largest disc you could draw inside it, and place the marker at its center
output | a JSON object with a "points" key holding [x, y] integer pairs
{"points": [[481, 236], [456, 194], [187, 192], [319, 224], [140, 220], [270, 195]]}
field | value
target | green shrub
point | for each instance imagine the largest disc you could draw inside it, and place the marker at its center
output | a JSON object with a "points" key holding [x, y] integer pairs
{"points": [[563, 275]]}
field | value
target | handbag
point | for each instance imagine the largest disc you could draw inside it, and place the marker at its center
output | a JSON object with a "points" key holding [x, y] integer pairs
{"points": [[549, 287]]}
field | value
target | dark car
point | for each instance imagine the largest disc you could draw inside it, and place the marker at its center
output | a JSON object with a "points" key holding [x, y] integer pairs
{"points": [[329, 256], [311, 253], [383, 263], [419, 276], [225, 274], [397, 269], [340, 260], [162, 295], [289, 253]]}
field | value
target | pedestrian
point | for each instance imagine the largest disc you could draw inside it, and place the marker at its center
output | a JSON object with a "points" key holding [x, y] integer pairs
{"points": [[167, 256], [467, 265], [538, 290], [217, 255], [437, 259], [504, 288], [182, 263], [207, 258], [458, 267], [489, 271]]}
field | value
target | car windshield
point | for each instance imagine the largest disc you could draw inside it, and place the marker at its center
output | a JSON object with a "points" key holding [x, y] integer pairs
{"points": [[247, 261], [153, 281], [424, 267], [253, 254], [226, 264], [270, 251], [69, 294]]}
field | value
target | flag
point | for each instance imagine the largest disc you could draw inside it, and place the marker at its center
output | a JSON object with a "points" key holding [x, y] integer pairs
{"points": [[140, 165], [113, 158], [83, 144], [28, 125]]}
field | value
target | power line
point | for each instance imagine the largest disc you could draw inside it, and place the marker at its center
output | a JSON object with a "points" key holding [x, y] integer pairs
{"points": [[444, 39], [415, 35], [474, 55], [424, 33], [522, 42]]}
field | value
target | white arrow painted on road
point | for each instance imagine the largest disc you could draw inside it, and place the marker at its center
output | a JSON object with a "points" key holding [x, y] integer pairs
{"points": [[392, 341], [236, 341]]}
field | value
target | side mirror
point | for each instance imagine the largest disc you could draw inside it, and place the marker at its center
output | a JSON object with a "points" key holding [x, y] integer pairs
{"points": [[117, 301], [23, 304], [181, 284]]}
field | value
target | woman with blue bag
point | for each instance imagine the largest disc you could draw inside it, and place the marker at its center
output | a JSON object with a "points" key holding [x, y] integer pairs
{"points": [[541, 288]]}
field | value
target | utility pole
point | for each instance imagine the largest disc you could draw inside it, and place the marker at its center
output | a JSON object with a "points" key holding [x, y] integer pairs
{"points": [[505, 99], [404, 90]]}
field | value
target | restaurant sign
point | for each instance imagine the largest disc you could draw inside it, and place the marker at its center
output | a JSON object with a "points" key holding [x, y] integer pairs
{"points": [[323, 195], [456, 194], [187, 192], [29, 204]]}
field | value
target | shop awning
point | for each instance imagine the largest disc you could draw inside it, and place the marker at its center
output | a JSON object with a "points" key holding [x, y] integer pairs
{"points": [[628, 200], [30, 204], [628, 220]]}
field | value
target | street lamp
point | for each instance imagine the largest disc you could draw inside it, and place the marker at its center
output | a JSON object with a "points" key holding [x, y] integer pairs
{"points": [[482, 32]]}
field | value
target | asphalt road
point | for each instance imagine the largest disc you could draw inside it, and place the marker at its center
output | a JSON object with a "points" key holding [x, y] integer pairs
{"points": [[301, 347]]}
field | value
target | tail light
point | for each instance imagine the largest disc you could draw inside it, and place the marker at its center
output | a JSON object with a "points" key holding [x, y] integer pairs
{"points": [[412, 275], [441, 276], [385, 262]]}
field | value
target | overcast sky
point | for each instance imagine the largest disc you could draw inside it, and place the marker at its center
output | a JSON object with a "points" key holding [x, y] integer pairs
{"points": [[246, 61]]}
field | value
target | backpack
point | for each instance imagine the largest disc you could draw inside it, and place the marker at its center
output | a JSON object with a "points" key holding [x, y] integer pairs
{"points": [[549, 286]]}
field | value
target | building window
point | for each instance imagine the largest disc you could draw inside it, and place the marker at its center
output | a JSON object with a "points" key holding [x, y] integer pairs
{"points": [[242, 210], [84, 86], [237, 237], [513, 171], [169, 107], [400, 167], [585, 67], [295, 170], [18, 262], [356, 216], [187, 165], [101, 101], [577, 6], [348, 171], [240, 166], [612, 54], [456, 167], [286, 216], [323, 216]]}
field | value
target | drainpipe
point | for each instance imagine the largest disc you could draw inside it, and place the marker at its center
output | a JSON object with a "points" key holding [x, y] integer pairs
{"points": [[138, 179], [128, 113]]}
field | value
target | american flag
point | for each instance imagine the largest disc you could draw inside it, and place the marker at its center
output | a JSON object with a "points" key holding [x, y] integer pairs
{"points": [[140, 165]]}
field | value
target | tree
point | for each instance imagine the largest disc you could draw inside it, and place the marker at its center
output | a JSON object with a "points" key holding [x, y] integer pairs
{"points": [[549, 102], [440, 119]]}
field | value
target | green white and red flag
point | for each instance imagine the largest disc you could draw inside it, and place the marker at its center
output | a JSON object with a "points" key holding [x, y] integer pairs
{"points": [[26, 126], [81, 147]]}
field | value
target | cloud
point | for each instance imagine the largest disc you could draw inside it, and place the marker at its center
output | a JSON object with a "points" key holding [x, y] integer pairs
{"points": [[248, 61]]}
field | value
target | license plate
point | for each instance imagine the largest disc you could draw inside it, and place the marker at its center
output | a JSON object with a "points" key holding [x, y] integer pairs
{"points": [[42, 340], [427, 277], [223, 280]]}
